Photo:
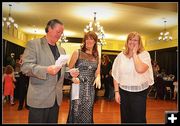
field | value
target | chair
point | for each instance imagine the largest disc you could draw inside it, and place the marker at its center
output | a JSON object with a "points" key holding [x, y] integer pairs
{"points": [[152, 92], [168, 92], [169, 89]]}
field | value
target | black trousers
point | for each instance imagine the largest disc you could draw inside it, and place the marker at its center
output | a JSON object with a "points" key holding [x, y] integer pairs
{"points": [[23, 86], [133, 106], [106, 86], [44, 115]]}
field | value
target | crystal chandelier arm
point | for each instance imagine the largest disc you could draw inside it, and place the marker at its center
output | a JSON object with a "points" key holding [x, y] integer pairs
{"points": [[165, 26], [10, 5], [94, 16], [9, 16]]}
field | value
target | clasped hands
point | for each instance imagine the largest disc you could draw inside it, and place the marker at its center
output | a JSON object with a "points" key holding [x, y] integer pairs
{"points": [[74, 72]]}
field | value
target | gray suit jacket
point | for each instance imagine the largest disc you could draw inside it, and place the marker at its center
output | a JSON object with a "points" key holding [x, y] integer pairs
{"points": [[43, 88]]}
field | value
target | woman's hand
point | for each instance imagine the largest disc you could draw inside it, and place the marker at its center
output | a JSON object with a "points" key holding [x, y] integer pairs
{"points": [[117, 97], [97, 82], [135, 49], [74, 72], [75, 80]]}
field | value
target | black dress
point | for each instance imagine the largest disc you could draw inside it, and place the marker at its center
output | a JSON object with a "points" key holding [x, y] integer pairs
{"points": [[81, 110]]}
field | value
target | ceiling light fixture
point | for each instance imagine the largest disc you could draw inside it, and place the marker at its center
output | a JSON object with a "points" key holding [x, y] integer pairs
{"points": [[8, 21], [63, 38], [165, 36], [97, 28]]}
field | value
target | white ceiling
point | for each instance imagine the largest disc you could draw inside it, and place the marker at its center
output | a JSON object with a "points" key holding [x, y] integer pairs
{"points": [[117, 18]]}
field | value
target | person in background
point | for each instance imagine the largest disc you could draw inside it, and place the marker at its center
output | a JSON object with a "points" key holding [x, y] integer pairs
{"points": [[102, 72], [11, 60], [45, 93], [17, 67], [111, 86], [163, 73], [3, 97], [107, 66], [23, 87], [8, 79], [16, 74], [133, 74], [88, 63], [156, 69], [175, 83]]}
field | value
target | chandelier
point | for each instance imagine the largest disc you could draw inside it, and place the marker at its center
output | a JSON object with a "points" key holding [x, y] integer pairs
{"points": [[165, 36], [63, 38], [97, 28], [9, 21]]}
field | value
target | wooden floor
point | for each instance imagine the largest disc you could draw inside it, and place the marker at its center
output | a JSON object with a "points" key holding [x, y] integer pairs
{"points": [[105, 112]]}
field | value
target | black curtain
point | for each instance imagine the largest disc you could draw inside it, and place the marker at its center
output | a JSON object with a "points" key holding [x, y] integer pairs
{"points": [[8, 48], [152, 55], [167, 59]]}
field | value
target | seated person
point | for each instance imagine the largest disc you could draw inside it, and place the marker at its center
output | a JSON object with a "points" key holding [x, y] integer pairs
{"points": [[175, 83]]}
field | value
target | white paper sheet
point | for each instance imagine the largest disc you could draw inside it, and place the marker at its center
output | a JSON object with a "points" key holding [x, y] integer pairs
{"points": [[62, 60], [75, 91]]}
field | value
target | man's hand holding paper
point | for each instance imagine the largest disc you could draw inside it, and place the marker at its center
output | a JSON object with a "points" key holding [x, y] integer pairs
{"points": [[62, 60], [54, 69]]}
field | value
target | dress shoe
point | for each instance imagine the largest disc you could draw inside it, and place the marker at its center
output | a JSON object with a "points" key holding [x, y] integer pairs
{"points": [[27, 107], [20, 108], [12, 103]]}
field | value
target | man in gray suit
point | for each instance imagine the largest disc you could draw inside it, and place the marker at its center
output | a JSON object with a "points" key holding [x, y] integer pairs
{"points": [[44, 94]]}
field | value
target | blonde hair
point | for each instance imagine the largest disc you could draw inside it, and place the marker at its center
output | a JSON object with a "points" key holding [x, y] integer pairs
{"points": [[130, 36]]}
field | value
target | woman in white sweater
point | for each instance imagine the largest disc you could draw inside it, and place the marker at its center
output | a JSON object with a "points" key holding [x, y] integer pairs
{"points": [[132, 73]]}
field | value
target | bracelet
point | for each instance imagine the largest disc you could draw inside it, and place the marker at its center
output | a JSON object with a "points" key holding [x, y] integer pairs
{"points": [[116, 91]]}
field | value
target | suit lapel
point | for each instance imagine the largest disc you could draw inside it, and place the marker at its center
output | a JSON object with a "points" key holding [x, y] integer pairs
{"points": [[61, 50], [47, 50]]}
